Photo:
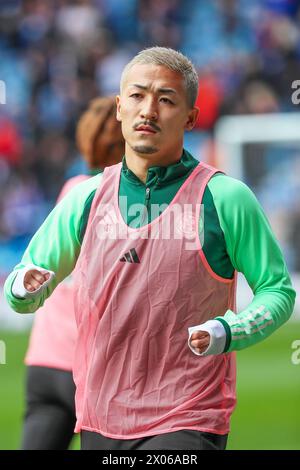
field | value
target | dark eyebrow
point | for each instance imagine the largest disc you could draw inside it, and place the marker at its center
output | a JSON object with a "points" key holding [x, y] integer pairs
{"points": [[167, 90], [139, 86], [160, 90]]}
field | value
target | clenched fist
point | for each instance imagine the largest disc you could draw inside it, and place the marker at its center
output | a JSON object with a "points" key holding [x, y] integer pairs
{"points": [[200, 341], [34, 279]]}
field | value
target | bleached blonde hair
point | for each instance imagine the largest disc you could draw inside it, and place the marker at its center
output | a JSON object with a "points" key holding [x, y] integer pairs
{"points": [[171, 59]]}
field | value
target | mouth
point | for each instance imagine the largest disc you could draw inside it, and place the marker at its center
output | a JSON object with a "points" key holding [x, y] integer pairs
{"points": [[146, 130]]}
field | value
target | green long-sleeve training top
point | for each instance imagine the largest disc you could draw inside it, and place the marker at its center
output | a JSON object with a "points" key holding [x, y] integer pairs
{"points": [[237, 236]]}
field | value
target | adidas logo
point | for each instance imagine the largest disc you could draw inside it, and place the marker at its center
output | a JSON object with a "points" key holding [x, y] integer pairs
{"points": [[130, 257]]}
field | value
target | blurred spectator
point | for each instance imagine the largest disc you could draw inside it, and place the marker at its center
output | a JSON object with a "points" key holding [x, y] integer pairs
{"points": [[252, 97], [208, 101], [22, 207], [10, 141], [120, 18], [35, 22], [259, 98], [78, 21], [109, 70], [160, 22]]}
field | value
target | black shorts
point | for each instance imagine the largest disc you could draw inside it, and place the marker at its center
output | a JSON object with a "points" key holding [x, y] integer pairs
{"points": [[50, 410], [179, 440]]}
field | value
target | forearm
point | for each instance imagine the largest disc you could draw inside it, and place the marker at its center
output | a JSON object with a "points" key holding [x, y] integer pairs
{"points": [[267, 312]]}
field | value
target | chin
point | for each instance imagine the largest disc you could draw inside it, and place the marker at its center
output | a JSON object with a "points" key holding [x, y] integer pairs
{"points": [[145, 149]]}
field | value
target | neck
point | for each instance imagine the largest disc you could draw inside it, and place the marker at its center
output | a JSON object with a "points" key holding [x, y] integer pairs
{"points": [[139, 164]]}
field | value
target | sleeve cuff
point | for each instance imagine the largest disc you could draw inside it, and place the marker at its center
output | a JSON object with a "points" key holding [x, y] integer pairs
{"points": [[228, 332]]}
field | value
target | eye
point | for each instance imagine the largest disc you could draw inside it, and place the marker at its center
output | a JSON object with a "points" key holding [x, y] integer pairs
{"points": [[135, 95], [166, 100]]}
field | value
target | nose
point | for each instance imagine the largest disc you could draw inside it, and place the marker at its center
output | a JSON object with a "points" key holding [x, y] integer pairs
{"points": [[149, 110]]}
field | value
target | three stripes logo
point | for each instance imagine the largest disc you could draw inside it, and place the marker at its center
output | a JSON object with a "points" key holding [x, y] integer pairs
{"points": [[130, 257]]}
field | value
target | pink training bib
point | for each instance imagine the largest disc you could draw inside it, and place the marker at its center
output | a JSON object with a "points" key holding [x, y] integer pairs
{"points": [[54, 331], [137, 293]]}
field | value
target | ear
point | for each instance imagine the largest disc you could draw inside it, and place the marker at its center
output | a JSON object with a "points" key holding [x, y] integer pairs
{"points": [[192, 118], [118, 103]]}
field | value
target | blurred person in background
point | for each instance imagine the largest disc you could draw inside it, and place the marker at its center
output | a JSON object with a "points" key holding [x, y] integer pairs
{"points": [[50, 410], [155, 361]]}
